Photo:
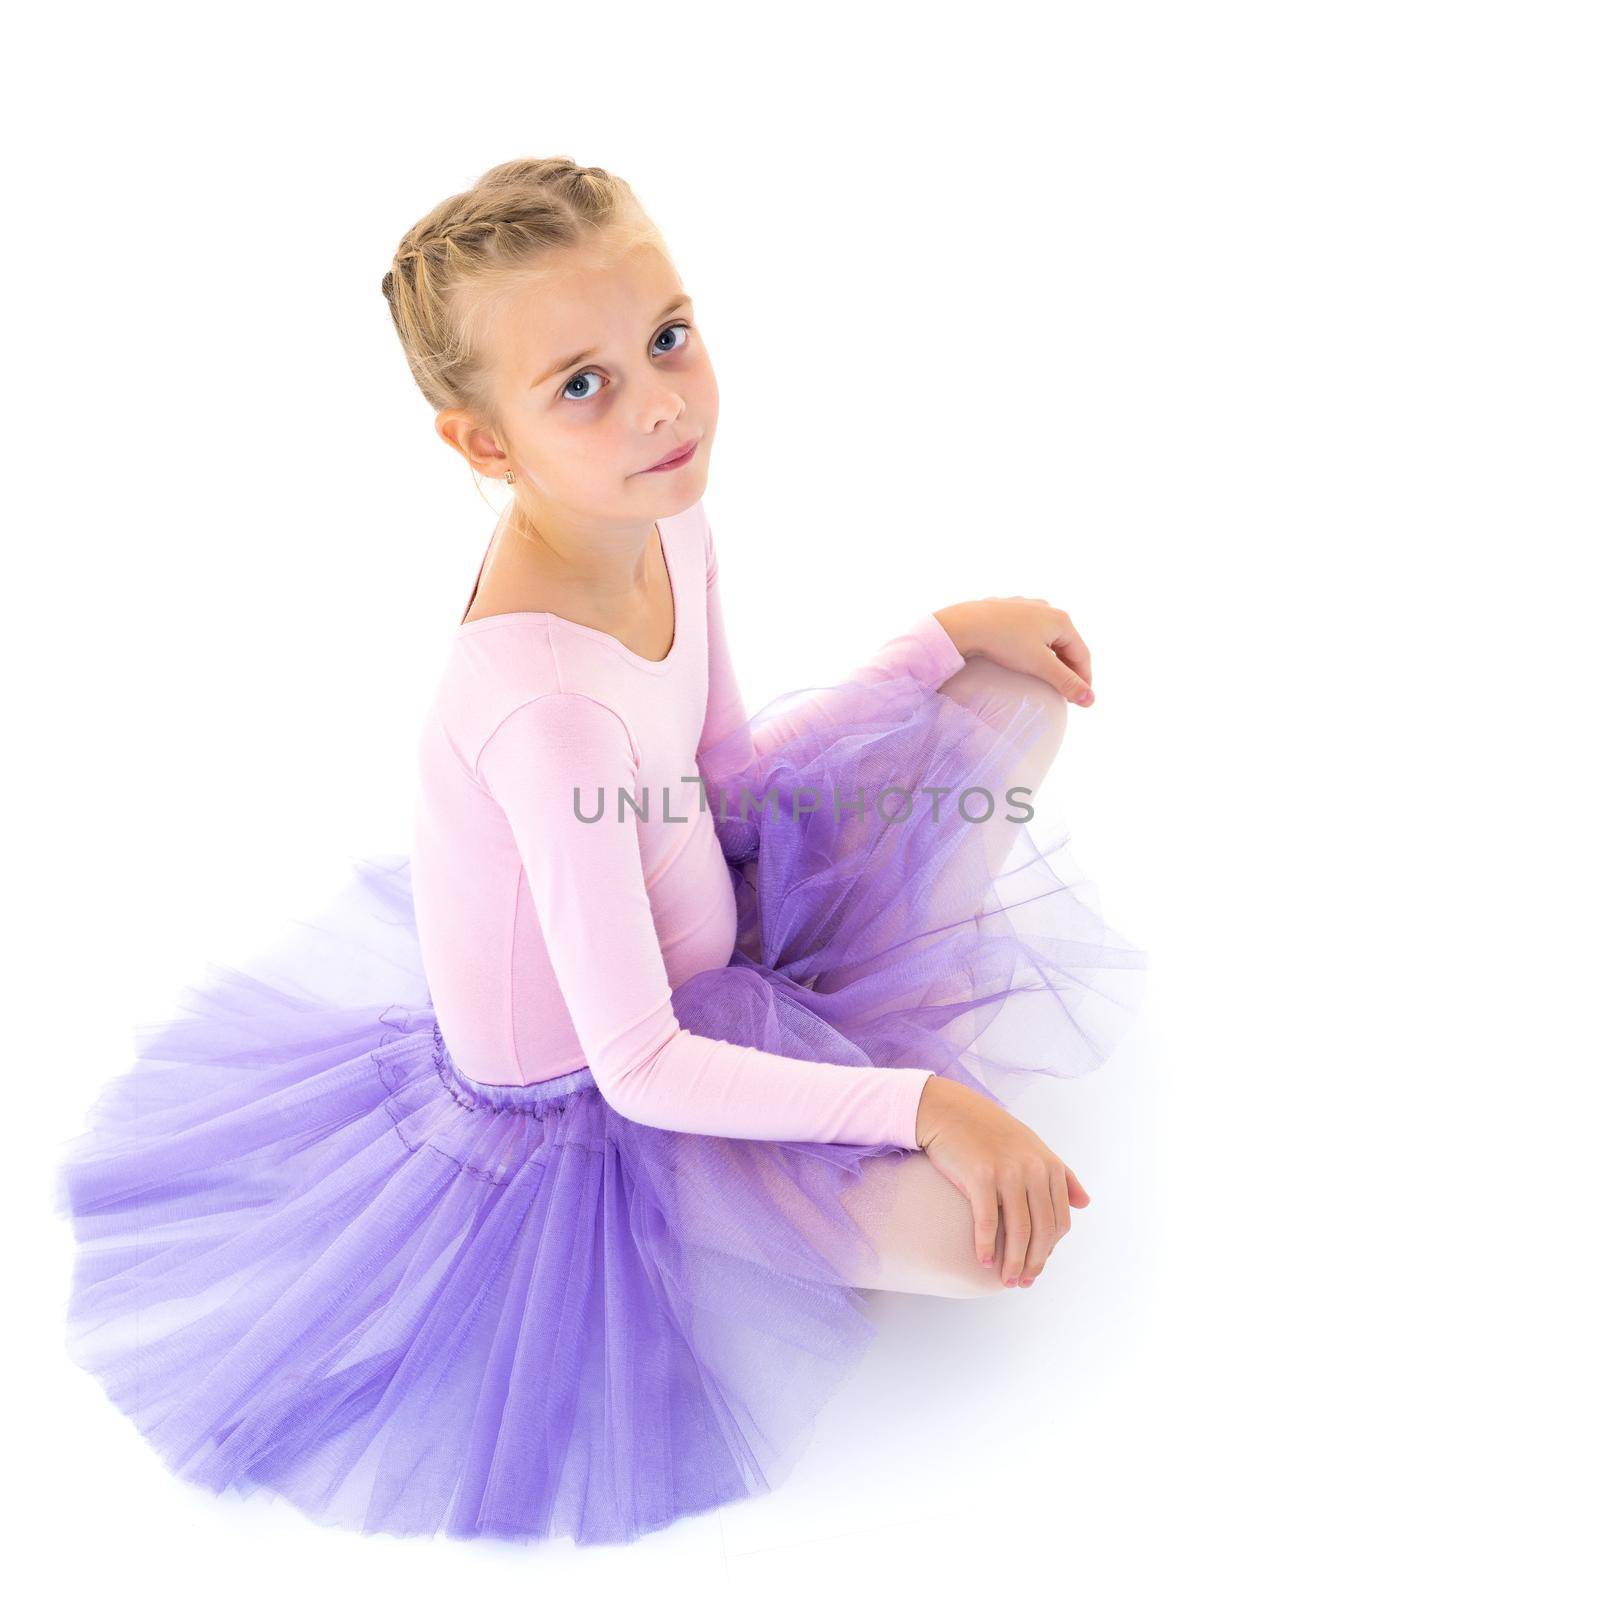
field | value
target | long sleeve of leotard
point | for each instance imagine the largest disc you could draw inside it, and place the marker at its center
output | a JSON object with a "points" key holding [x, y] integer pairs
{"points": [[588, 888], [924, 652]]}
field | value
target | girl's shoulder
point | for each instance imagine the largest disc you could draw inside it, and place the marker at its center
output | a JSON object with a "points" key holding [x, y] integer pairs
{"points": [[500, 663]]}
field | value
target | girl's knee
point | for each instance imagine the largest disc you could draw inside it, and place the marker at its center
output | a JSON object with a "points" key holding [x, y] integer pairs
{"points": [[921, 1230], [998, 694]]}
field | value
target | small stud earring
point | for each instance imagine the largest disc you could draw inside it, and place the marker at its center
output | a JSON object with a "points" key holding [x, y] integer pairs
{"points": [[511, 477]]}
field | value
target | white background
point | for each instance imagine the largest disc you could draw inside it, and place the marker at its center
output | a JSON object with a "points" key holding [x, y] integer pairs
{"points": [[1260, 337]]}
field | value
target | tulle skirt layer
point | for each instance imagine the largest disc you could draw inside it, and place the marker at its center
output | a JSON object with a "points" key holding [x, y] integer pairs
{"points": [[313, 1257]]}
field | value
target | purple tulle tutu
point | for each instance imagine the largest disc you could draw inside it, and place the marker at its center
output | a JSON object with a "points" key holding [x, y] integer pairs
{"points": [[314, 1257]]}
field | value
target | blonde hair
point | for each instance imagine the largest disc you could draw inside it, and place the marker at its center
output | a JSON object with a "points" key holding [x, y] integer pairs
{"points": [[518, 220]]}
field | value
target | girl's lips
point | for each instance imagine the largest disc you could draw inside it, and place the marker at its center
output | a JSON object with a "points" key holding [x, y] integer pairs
{"points": [[677, 460]]}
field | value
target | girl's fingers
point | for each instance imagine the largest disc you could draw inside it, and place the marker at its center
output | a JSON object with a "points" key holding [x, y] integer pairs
{"points": [[985, 1219], [1014, 1203], [1065, 679], [1060, 1201], [1069, 645], [1041, 1211], [1076, 1193]]}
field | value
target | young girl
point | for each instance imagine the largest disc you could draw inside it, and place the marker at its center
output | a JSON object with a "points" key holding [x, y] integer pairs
{"points": [[532, 1187]]}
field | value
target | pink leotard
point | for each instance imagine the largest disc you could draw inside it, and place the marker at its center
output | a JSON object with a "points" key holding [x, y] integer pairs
{"points": [[551, 943]]}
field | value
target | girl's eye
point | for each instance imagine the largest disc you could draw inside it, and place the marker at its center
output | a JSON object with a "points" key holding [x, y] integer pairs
{"points": [[566, 388], [670, 328]]}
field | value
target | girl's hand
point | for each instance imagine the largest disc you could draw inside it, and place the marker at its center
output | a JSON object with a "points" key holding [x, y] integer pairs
{"points": [[1026, 633], [999, 1163]]}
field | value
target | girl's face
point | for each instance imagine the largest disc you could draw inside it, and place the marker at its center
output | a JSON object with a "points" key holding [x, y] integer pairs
{"points": [[599, 371]]}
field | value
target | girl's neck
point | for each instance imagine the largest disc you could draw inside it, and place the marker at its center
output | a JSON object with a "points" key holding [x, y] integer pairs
{"points": [[623, 590]]}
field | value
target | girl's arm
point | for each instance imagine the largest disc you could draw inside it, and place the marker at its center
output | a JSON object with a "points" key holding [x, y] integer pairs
{"points": [[925, 651], [588, 888]]}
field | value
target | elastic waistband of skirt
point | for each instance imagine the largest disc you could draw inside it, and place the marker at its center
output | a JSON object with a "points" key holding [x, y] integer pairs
{"points": [[505, 1096]]}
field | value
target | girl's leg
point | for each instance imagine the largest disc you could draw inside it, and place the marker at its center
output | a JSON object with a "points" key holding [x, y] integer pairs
{"points": [[996, 694], [917, 1221], [999, 696], [899, 1224], [901, 1210], [920, 1225]]}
